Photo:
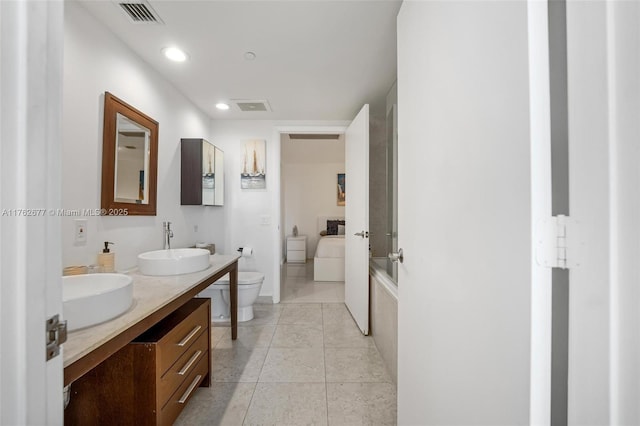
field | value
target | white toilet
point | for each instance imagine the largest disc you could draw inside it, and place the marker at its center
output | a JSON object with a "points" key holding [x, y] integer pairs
{"points": [[249, 284]]}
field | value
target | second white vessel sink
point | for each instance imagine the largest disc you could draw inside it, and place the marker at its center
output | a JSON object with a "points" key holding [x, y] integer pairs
{"points": [[94, 298], [173, 261]]}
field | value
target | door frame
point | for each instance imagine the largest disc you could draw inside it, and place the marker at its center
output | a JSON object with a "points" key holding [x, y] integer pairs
{"points": [[603, 99], [278, 231]]}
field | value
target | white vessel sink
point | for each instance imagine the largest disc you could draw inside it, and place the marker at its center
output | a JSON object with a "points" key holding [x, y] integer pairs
{"points": [[94, 298], [173, 261]]}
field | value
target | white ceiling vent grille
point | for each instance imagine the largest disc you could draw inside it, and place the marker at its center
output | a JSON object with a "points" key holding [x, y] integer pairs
{"points": [[246, 105], [313, 136], [140, 12]]}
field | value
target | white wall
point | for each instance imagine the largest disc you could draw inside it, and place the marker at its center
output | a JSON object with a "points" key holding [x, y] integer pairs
{"points": [[95, 61], [309, 181], [248, 208]]}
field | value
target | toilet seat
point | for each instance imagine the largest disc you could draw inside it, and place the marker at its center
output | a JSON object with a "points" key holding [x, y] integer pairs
{"points": [[244, 278]]}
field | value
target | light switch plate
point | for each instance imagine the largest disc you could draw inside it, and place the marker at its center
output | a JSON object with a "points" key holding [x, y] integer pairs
{"points": [[80, 232]]}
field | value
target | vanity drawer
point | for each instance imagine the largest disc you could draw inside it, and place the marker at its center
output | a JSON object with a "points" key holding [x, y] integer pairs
{"points": [[182, 368], [178, 340], [181, 396]]}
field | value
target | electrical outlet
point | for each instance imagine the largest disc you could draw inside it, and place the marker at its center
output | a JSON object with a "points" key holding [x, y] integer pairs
{"points": [[265, 220], [195, 228], [80, 232]]}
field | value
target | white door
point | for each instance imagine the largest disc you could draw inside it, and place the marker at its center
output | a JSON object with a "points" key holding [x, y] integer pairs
{"points": [[473, 178], [30, 290], [356, 281]]}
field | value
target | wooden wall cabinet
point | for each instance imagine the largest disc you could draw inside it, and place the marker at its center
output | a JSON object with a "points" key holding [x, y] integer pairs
{"points": [[201, 173], [149, 381]]}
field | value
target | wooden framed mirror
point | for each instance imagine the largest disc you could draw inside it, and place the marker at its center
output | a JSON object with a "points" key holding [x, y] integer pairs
{"points": [[129, 160]]}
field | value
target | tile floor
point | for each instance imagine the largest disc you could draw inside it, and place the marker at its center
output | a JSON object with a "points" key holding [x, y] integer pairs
{"points": [[298, 286], [301, 362]]}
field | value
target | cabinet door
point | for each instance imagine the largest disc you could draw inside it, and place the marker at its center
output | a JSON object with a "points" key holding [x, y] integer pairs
{"points": [[202, 173], [208, 173], [190, 172], [219, 180]]}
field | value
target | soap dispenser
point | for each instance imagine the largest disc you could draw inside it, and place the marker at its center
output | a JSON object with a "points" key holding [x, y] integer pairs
{"points": [[106, 259]]}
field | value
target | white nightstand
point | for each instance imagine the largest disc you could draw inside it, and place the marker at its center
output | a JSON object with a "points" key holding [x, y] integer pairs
{"points": [[297, 249]]}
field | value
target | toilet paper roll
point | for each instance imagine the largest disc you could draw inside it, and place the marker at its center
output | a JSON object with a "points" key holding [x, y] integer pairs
{"points": [[247, 251]]}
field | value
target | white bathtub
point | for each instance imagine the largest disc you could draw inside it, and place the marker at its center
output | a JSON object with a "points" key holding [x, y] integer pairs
{"points": [[384, 314], [382, 269]]}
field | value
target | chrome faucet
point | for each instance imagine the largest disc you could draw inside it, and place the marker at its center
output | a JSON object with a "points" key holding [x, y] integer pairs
{"points": [[168, 234]]}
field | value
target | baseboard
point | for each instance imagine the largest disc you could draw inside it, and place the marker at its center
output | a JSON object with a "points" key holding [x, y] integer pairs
{"points": [[265, 300]]}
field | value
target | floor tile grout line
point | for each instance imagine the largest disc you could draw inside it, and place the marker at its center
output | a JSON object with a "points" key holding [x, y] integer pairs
{"points": [[259, 374], [264, 361], [246, 412]]}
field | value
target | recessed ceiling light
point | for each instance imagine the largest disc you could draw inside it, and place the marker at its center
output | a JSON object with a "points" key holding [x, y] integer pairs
{"points": [[249, 56], [174, 54], [222, 106]]}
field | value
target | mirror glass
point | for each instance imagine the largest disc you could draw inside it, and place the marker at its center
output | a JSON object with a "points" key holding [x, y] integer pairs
{"points": [[212, 175], [208, 173], [129, 160], [219, 168], [131, 181]]}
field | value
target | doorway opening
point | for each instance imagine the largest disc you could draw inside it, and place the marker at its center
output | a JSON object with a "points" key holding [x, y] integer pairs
{"points": [[312, 164]]}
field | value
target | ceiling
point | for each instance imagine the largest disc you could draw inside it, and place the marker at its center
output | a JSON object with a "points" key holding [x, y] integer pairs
{"points": [[315, 60]]}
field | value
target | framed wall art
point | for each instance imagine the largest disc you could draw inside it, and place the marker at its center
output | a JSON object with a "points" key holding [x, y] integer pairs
{"points": [[341, 189], [253, 174]]}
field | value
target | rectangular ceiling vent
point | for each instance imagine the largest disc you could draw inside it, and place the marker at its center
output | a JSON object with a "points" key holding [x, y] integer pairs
{"points": [[313, 136], [252, 105], [140, 12]]}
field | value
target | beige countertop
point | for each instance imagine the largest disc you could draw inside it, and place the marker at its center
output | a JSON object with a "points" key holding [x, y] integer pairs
{"points": [[149, 295]]}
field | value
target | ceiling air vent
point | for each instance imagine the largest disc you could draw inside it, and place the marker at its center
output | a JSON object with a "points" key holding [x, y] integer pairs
{"points": [[313, 136], [252, 105], [140, 12]]}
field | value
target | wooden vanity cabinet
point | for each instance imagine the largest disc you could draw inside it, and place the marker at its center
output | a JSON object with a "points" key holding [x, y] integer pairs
{"points": [[150, 380]]}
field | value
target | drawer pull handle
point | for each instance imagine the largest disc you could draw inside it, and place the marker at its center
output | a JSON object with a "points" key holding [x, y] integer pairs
{"points": [[189, 363], [190, 389], [190, 335]]}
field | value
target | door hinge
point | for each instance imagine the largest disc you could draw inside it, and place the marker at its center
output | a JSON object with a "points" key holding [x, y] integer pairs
{"points": [[556, 241], [56, 335]]}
